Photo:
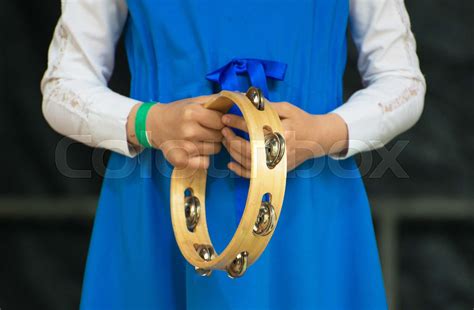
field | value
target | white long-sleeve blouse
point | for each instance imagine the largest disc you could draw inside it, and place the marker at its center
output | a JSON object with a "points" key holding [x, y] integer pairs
{"points": [[77, 102]]}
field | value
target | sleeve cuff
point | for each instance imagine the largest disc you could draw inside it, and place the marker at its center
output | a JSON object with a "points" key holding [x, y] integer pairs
{"points": [[108, 122], [362, 125]]}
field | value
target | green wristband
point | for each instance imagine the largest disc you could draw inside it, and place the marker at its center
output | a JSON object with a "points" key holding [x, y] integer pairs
{"points": [[140, 124]]}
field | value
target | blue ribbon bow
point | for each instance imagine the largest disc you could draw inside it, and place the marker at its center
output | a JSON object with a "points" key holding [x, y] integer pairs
{"points": [[258, 71]]}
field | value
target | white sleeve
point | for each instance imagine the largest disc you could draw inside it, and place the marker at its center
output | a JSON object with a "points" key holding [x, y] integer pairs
{"points": [[393, 97], [76, 100]]}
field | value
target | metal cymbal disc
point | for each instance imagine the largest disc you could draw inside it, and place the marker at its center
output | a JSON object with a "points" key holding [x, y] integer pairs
{"points": [[192, 210], [266, 219], [255, 96], [206, 252], [238, 266], [274, 149]]}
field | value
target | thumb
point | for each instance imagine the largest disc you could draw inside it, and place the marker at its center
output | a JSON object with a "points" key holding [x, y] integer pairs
{"points": [[284, 109], [203, 99]]}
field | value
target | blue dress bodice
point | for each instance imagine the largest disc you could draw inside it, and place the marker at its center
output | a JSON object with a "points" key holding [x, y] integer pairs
{"points": [[172, 45]]}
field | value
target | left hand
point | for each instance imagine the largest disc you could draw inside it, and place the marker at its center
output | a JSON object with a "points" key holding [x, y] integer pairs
{"points": [[304, 135]]}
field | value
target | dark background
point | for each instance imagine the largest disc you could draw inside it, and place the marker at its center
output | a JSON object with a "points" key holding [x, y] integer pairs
{"points": [[424, 222]]}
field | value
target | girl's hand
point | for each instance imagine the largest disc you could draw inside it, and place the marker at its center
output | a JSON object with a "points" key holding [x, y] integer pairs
{"points": [[185, 131], [307, 136]]}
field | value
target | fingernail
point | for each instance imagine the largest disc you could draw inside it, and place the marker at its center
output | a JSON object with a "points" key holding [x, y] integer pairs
{"points": [[225, 132], [225, 119]]}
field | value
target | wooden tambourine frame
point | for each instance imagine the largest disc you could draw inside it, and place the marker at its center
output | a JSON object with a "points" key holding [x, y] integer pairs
{"points": [[264, 200]]}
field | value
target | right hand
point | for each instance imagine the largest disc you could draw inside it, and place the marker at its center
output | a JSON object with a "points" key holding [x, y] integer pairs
{"points": [[186, 132]]}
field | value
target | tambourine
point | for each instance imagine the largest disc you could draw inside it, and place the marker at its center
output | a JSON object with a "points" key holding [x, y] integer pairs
{"points": [[264, 200]]}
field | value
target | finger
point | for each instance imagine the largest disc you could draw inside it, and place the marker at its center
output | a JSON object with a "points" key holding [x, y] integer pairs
{"points": [[196, 100], [201, 148], [202, 134], [202, 99], [180, 156], [289, 132], [284, 109], [243, 161], [235, 121], [206, 148], [209, 118], [198, 162], [237, 143], [176, 153], [239, 170]]}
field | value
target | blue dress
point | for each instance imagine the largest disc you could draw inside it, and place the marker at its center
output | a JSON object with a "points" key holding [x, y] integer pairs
{"points": [[323, 254]]}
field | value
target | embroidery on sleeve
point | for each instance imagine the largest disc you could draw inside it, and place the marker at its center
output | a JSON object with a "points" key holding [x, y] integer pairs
{"points": [[409, 46], [55, 91], [63, 38], [412, 91]]}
